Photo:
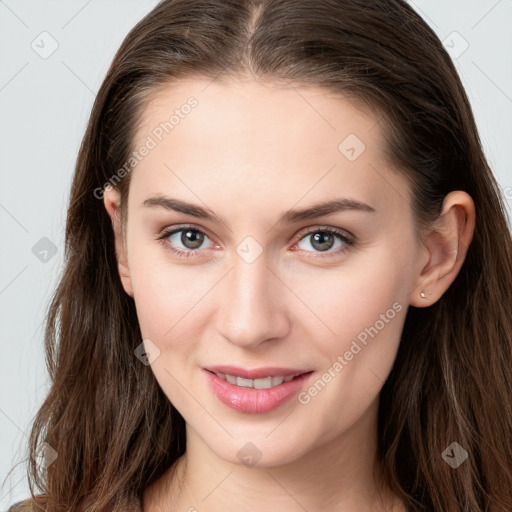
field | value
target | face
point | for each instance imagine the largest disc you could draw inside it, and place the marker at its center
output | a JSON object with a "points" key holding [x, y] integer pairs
{"points": [[256, 285]]}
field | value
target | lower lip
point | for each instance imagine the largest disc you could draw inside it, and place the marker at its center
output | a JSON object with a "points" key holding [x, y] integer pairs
{"points": [[250, 400]]}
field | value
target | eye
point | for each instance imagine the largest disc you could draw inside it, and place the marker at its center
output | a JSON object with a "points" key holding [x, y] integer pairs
{"points": [[324, 238], [191, 239]]}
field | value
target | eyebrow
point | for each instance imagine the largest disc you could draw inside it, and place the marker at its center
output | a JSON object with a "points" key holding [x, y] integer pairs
{"points": [[291, 216]]}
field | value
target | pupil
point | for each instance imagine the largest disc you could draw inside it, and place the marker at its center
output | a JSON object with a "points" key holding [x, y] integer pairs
{"points": [[192, 237], [320, 243]]}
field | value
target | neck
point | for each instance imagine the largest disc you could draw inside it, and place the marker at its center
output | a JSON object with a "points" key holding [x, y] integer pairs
{"points": [[341, 475]]}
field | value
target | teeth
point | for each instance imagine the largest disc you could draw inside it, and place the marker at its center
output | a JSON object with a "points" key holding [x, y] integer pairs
{"points": [[229, 378], [265, 383], [245, 383]]}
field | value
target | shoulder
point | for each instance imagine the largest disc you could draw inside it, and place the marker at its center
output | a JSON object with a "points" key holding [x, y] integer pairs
{"points": [[28, 505], [134, 504], [20, 506]]}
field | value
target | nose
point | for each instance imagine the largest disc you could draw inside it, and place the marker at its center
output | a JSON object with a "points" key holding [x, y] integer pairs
{"points": [[252, 304]]}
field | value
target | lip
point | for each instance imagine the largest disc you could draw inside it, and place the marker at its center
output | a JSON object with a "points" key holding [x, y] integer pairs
{"points": [[251, 400], [256, 373]]}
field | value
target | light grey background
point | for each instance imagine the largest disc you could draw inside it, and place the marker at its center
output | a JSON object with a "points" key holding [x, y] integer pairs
{"points": [[45, 101]]}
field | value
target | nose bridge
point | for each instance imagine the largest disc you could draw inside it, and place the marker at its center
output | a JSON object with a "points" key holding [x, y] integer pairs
{"points": [[248, 313]]}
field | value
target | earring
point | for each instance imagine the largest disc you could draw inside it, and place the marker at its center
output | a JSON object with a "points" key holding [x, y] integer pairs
{"points": [[423, 295]]}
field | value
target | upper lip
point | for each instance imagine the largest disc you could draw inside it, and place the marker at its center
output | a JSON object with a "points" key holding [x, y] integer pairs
{"points": [[256, 373]]}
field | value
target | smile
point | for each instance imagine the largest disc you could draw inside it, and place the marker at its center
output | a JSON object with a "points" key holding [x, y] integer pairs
{"points": [[256, 395], [265, 383]]}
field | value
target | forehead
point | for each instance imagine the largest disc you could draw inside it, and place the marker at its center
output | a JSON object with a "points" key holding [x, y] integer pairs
{"points": [[257, 108], [244, 135]]}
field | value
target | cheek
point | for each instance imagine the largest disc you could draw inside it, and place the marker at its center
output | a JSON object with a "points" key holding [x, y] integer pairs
{"points": [[364, 305], [167, 301], [347, 299], [160, 294]]}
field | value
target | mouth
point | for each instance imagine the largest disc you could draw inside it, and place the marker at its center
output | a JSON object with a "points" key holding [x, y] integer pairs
{"points": [[261, 383], [255, 391]]}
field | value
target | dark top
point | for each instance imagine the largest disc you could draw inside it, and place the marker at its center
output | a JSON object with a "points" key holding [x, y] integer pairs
{"points": [[17, 507]]}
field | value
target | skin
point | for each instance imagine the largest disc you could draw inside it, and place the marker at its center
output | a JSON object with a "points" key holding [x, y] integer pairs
{"points": [[250, 151]]}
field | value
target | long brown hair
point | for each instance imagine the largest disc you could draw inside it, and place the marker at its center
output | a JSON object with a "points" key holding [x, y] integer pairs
{"points": [[114, 430]]}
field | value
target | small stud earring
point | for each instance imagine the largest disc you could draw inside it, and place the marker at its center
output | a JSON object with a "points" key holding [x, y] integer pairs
{"points": [[423, 295]]}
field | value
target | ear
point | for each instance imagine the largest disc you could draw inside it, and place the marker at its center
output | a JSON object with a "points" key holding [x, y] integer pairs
{"points": [[111, 200], [445, 249]]}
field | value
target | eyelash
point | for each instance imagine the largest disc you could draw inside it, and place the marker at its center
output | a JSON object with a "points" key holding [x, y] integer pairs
{"points": [[348, 242]]}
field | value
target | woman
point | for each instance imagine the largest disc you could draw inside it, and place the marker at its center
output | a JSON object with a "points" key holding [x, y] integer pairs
{"points": [[332, 328]]}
